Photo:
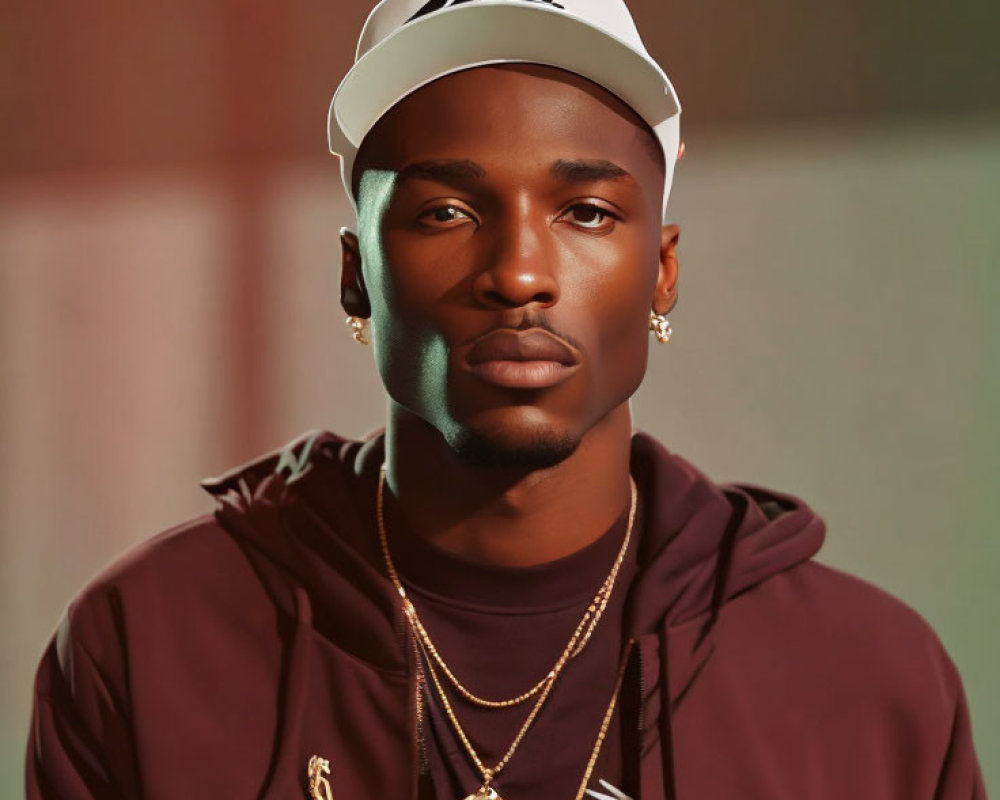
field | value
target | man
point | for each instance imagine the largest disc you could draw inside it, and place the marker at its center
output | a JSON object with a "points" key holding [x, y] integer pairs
{"points": [[506, 593]]}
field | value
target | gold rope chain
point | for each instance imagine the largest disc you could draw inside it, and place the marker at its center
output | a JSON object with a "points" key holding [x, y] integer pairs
{"points": [[578, 640]]}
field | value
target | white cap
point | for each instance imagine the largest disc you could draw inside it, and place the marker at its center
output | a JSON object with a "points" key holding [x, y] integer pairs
{"points": [[406, 44]]}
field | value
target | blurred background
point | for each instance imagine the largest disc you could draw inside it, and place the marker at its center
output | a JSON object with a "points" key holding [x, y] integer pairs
{"points": [[169, 268]]}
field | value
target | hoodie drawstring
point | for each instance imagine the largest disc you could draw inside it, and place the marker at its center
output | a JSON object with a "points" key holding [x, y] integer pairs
{"points": [[296, 691], [667, 732]]}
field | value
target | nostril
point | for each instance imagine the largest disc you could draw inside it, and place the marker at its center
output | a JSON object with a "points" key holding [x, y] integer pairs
{"points": [[511, 283], [499, 299], [503, 300]]}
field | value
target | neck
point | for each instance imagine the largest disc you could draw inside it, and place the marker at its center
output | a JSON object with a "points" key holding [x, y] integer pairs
{"points": [[506, 516]]}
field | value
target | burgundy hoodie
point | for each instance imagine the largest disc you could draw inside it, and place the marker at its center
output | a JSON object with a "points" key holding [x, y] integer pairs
{"points": [[218, 657]]}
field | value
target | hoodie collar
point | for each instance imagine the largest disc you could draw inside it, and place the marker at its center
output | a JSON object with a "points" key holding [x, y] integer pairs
{"points": [[703, 542], [304, 515]]}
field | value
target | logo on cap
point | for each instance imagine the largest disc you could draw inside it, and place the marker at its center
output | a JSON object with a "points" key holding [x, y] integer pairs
{"points": [[436, 5]]}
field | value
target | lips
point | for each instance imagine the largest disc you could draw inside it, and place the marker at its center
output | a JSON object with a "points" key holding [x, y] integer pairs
{"points": [[532, 359]]}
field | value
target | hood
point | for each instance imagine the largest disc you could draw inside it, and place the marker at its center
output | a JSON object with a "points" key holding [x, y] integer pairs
{"points": [[704, 543], [304, 516]]}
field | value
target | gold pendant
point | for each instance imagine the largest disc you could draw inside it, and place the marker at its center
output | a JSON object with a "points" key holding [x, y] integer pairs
{"points": [[485, 793], [319, 787]]}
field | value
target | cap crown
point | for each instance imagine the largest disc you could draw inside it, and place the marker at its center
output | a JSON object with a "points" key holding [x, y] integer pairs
{"points": [[388, 16]]}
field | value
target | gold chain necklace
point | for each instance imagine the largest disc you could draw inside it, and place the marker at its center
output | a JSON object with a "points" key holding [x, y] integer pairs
{"points": [[543, 688], [486, 791], [578, 640]]}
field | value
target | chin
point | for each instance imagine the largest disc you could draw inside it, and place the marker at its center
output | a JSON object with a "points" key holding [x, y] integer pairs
{"points": [[530, 450]]}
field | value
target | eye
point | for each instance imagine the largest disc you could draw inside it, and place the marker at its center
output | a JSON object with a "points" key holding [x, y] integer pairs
{"points": [[590, 217], [445, 216]]}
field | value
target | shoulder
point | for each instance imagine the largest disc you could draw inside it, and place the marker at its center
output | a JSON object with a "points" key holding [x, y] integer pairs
{"points": [[186, 553], [815, 648], [830, 600], [176, 639], [181, 577], [822, 590], [208, 567], [826, 626]]}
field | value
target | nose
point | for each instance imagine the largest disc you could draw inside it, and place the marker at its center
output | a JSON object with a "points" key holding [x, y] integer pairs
{"points": [[518, 266]]}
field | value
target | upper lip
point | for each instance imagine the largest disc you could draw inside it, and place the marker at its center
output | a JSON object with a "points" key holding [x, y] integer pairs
{"points": [[535, 344]]}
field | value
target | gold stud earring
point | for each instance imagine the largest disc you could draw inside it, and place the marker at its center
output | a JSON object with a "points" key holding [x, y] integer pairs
{"points": [[359, 329], [660, 325]]}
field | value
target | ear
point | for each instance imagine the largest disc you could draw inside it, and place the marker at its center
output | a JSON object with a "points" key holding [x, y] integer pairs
{"points": [[665, 295], [353, 295]]}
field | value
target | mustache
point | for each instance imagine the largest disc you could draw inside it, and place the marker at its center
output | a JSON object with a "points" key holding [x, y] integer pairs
{"points": [[533, 320]]}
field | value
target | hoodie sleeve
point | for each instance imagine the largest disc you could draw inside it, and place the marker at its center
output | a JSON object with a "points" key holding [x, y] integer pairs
{"points": [[961, 778], [80, 742]]}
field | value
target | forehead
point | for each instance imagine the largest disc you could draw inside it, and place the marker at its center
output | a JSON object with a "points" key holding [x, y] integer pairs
{"points": [[524, 112]]}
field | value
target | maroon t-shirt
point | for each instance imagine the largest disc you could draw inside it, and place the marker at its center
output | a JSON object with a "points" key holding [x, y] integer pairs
{"points": [[500, 630]]}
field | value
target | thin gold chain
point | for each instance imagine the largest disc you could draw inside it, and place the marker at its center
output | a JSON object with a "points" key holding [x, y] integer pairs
{"points": [[602, 733], [489, 774], [578, 640]]}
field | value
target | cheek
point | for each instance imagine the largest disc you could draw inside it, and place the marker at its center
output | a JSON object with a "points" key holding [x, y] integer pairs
{"points": [[412, 361], [408, 335], [621, 285], [418, 274], [624, 341], [618, 327]]}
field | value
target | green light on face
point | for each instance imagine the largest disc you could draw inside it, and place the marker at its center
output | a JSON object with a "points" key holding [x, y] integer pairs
{"points": [[432, 375], [418, 357], [375, 193]]}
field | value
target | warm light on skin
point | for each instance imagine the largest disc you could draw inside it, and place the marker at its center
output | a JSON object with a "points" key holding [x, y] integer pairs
{"points": [[510, 199], [554, 224]]}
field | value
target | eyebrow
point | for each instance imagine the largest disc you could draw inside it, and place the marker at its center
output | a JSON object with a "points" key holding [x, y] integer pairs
{"points": [[587, 171], [451, 171], [458, 170]]}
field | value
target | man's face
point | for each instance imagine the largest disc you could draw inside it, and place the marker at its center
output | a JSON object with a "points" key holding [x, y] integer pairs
{"points": [[510, 249]]}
